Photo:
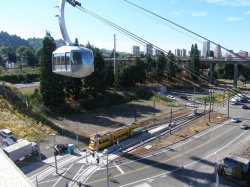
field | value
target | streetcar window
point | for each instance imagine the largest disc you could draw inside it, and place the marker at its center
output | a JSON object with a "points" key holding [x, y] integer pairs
{"points": [[92, 142]]}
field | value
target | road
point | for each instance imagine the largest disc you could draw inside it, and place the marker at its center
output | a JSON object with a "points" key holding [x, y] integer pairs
{"points": [[26, 85], [187, 163], [191, 162]]}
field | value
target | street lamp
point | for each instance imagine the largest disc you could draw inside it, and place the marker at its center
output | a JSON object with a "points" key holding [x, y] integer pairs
{"points": [[210, 97], [54, 135], [86, 151], [107, 154]]}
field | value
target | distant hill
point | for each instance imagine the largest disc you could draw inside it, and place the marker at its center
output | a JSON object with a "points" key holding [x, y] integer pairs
{"points": [[15, 41], [12, 40]]}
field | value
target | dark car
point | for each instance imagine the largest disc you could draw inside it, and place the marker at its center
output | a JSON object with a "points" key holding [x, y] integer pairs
{"points": [[184, 97], [245, 107], [60, 148]]}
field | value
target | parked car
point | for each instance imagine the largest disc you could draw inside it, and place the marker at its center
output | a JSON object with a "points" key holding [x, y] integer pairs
{"points": [[60, 148], [244, 126], [8, 141], [184, 97], [235, 120], [244, 107], [6, 133], [191, 105]]}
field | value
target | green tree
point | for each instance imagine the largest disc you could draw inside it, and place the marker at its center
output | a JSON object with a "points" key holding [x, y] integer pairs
{"points": [[76, 43], [51, 85], [30, 58], [211, 54], [139, 71], [96, 82], [195, 62], [73, 87], [20, 52], [38, 54], [171, 67]]}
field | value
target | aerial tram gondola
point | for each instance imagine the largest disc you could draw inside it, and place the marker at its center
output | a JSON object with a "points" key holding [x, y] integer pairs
{"points": [[71, 60]]}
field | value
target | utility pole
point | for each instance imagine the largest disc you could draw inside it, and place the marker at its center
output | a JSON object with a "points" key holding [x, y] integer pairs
{"points": [[209, 105], [114, 54], [228, 103], [223, 97], [107, 152], [154, 113], [212, 100], [170, 126], [194, 97], [205, 103], [77, 137]]}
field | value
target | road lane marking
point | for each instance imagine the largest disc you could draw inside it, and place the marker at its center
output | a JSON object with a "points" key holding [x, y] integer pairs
{"points": [[50, 164], [186, 164], [174, 147], [119, 168], [63, 175], [44, 173], [47, 181], [164, 161], [76, 177]]}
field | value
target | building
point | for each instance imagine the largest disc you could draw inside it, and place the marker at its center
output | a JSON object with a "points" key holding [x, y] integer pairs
{"points": [[148, 50], [243, 54], [184, 52], [136, 50], [177, 52], [206, 48], [217, 52], [157, 52], [10, 174]]}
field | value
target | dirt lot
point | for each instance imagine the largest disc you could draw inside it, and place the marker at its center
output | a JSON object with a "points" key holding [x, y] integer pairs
{"points": [[106, 119]]}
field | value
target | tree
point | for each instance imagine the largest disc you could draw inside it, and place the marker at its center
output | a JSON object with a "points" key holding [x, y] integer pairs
{"points": [[211, 54], [160, 67], [242, 79], [76, 43], [96, 82], [171, 67], [20, 52], [195, 62], [139, 71], [51, 85], [73, 87], [112, 54], [30, 58], [38, 54]]}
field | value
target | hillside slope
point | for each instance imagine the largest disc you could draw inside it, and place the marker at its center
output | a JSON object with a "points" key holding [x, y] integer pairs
{"points": [[16, 116]]}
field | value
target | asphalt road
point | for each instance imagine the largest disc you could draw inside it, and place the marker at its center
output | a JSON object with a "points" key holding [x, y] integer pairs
{"points": [[187, 163]]}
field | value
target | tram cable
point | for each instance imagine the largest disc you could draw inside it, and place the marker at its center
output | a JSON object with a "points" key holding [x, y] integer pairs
{"points": [[138, 39], [145, 42], [177, 25]]}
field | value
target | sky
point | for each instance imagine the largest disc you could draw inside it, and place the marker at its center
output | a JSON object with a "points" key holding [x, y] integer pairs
{"points": [[226, 22]]}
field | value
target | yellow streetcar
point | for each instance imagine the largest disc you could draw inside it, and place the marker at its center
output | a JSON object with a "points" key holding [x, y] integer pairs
{"points": [[102, 140]]}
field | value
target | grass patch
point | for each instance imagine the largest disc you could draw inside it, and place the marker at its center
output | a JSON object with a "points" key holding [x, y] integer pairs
{"points": [[28, 91]]}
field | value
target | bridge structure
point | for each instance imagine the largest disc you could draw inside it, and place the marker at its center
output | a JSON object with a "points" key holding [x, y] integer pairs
{"points": [[208, 61], [224, 61]]}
